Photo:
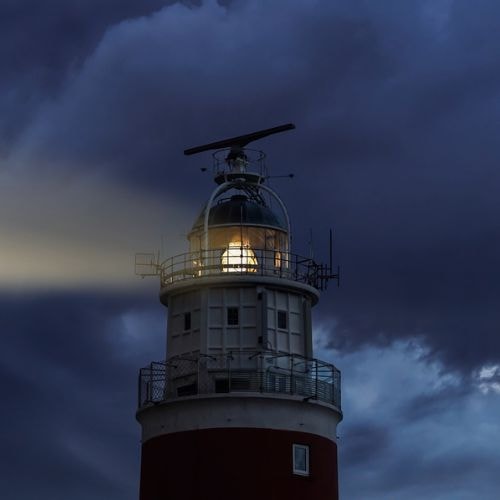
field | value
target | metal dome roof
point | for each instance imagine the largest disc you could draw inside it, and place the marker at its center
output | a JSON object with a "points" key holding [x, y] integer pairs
{"points": [[240, 210]]}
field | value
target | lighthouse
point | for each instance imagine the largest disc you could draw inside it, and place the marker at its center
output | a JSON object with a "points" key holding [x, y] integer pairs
{"points": [[239, 408]]}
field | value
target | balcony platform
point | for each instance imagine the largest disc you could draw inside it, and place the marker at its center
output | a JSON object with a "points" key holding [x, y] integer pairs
{"points": [[213, 263], [257, 372]]}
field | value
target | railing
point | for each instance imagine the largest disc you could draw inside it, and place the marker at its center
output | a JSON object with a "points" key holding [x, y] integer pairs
{"points": [[259, 262], [255, 161], [244, 371]]}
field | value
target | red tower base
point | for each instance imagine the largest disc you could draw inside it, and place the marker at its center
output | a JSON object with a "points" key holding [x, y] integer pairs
{"points": [[236, 464]]}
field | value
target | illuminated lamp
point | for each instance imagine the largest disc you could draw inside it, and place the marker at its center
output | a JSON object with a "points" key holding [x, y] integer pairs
{"points": [[238, 258]]}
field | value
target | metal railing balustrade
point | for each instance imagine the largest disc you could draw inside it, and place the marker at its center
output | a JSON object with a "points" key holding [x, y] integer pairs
{"points": [[267, 372], [262, 263]]}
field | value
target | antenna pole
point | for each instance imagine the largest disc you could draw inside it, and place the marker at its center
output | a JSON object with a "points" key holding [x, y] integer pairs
{"points": [[331, 250]]}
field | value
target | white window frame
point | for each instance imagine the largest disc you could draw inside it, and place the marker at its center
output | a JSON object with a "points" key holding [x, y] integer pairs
{"points": [[301, 472]]}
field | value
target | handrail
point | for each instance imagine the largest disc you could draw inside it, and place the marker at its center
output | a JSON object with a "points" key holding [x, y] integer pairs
{"points": [[263, 262], [270, 372]]}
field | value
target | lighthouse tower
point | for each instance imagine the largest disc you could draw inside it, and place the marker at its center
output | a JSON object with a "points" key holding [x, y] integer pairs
{"points": [[240, 409]]}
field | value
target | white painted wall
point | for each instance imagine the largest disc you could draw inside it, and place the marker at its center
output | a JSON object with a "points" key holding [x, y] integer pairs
{"points": [[289, 413], [258, 307]]}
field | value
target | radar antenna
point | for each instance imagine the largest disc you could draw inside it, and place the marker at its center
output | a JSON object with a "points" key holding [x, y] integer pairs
{"points": [[237, 144]]}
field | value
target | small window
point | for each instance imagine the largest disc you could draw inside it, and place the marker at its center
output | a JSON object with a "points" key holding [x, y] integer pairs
{"points": [[187, 321], [301, 459], [282, 320], [232, 316]]}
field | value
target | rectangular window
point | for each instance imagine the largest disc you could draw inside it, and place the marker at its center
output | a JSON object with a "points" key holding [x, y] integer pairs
{"points": [[282, 320], [300, 459], [187, 321], [233, 316]]}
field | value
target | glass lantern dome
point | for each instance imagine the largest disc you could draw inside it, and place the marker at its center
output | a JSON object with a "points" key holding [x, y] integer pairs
{"points": [[244, 231]]}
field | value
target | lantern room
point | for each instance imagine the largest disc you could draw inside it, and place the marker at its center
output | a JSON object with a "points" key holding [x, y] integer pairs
{"points": [[240, 232]]}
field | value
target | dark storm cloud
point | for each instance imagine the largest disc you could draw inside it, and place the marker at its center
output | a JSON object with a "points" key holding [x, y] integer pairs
{"points": [[139, 100], [425, 265], [435, 477], [411, 430], [365, 442], [42, 42], [396, 143], [414, 469], [396, 105], [65, 378]]}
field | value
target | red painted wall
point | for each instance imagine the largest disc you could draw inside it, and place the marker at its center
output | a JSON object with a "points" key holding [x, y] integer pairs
{"points": [[236, 464]]}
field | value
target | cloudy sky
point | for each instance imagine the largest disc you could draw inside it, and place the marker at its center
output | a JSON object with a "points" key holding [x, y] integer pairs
{"points": [[397, 107]]}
